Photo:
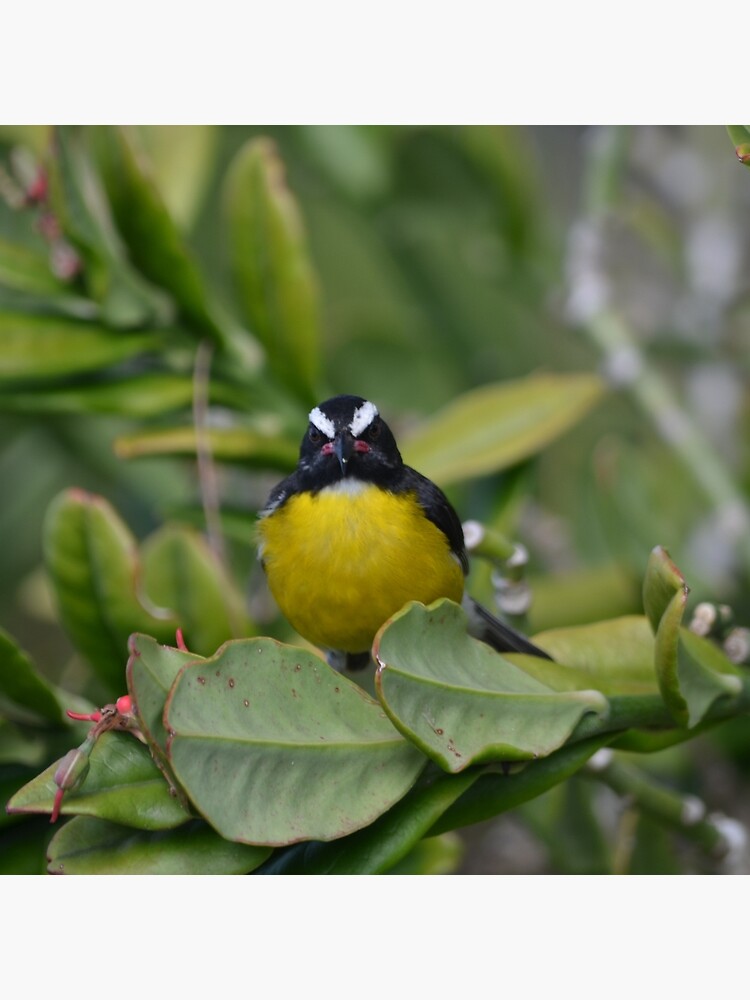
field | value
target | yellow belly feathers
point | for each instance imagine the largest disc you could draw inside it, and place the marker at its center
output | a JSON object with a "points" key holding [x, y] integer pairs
{"points": [[340, 562]]}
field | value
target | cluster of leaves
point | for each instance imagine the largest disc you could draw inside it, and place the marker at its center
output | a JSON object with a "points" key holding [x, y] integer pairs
{"points": [[270, 747], [123, 326]]}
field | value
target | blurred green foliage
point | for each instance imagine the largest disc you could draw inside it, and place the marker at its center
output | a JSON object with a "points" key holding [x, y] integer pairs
{"points": [[411, 265]]}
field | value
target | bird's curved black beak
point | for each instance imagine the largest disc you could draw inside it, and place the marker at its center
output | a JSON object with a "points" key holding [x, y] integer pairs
{"points": [[343, 448]]}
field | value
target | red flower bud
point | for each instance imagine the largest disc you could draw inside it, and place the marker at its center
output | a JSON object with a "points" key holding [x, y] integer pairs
{"points": [[124, 704]]}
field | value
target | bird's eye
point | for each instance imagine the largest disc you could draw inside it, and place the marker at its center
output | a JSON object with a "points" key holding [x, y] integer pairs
{"points": [[373, 431], [315, 436]]}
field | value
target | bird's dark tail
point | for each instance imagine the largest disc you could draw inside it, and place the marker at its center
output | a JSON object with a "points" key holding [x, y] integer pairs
{"points": [[485, 626]]}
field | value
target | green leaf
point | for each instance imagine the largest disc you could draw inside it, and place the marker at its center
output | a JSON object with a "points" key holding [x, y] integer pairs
{"points": [[23, 686], [662, 584], [495, 793], [79, 206], [238, 445], [92, 561], [460, 701], [182, 573], [664, 598], [385, 843], [89, 846], [153, 241], [495, 426], [615, 657], [692, 673], [151, 671], [148, 395], [272, 746], [274, 276], [183, 158], [37, 346], [704, 675], [123, 785]]}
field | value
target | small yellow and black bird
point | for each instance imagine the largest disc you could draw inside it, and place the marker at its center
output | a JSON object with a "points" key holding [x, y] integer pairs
{"points": [[353, 534]]}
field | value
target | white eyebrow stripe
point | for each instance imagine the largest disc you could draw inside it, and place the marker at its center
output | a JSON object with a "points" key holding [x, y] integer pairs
{"points": [[363, 417], [322, 422]]}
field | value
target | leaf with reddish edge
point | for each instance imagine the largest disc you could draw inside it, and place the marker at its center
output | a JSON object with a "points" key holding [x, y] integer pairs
{"points": [[90, 846], [665, 596], [93, 563], [123, 785], [151, 671], [276, 285], [461, 702], [181, 572], [691, 671], [272, 746]]}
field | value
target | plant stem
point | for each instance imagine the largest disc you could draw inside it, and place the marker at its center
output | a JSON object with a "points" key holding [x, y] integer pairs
{"points": [[684, 813]]}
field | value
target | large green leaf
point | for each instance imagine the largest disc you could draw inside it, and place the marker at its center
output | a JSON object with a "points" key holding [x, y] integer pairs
{"points": [[89, 846], [148, 395], [275, 282], [123, 785], [494, 793], [615, 657], [22, 685], [691, 672], [272, 746], [79, 207], [664, 599], [460, 701], [183, 158], [92, 561], [182, 573], [239, 445], [151, 672], [37, 346], [704, 675], [378, 847], [153, 241], [490, 428]]}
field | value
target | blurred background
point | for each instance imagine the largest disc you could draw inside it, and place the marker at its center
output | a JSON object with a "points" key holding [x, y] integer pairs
{"points": [[440, 259]]}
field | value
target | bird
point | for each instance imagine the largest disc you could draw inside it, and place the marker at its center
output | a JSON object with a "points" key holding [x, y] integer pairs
{"points": [[354, 534]]}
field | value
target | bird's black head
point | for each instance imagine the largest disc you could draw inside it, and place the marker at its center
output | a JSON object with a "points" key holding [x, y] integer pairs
{"points": [[347, 438]]}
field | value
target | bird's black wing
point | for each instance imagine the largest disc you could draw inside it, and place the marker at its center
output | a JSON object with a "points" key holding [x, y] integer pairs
{"points": [[280, 494], [438, 509], [483, 624]]}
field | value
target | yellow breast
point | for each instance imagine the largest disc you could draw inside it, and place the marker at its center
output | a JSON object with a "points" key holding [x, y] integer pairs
{"points": [[342, 561]]}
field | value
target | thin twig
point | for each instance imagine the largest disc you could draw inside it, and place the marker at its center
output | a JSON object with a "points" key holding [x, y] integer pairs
{"points": [[207, 478]]}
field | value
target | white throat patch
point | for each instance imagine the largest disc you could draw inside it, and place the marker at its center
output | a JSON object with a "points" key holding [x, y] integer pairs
{"points": [[324, 424], [363, 417]]}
